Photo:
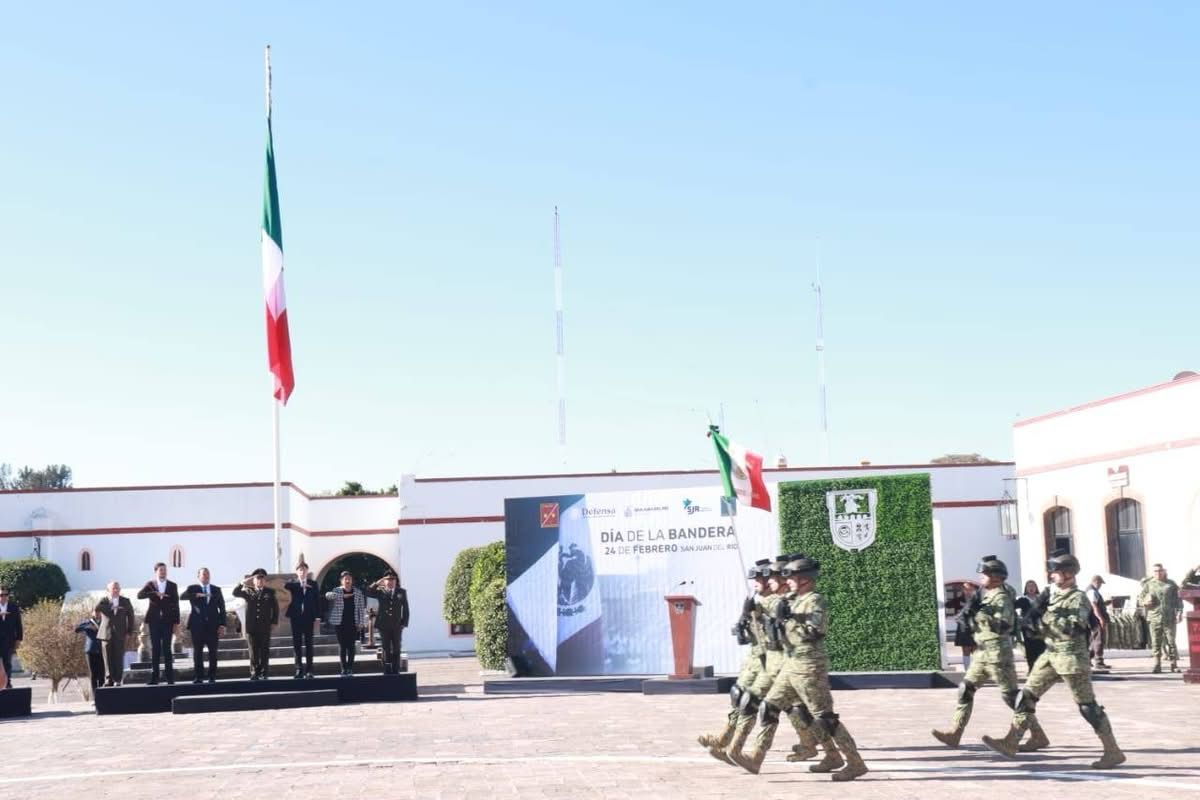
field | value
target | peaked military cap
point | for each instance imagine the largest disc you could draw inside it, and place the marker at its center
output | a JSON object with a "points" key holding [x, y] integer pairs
{"points": [[257, 572]]}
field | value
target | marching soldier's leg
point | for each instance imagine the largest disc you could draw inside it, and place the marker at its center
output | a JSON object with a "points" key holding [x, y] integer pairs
{"points": [[1039, 682], [763, 681], [723, 738], [1081, 691], [1005, 676], [747, 716], [779, 698], [802, 720], [814, 693], [977, 673]]}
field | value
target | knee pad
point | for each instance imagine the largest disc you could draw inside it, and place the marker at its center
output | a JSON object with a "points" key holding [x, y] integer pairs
{"points": [[829, 721], [735, 695], [748, 704], [1026, 703], [768, 714], [802, 713], [1010, 699], [1094, 713], [966, 693]]}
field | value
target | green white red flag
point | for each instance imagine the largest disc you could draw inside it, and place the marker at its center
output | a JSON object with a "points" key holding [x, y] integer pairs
{"points": [[279, 345], [741, 472]]}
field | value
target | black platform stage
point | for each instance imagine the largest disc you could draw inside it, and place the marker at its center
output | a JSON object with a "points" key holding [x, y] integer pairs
{"points": [[657, 684], [204, 703], [358, 689], [16, 702]]}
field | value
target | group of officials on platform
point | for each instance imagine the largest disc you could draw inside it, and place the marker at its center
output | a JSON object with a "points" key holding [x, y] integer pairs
{"points": [[344, 608]]}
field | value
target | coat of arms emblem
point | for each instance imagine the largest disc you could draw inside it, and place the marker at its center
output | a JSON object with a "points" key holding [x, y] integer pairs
{"points": [[852, 517]]}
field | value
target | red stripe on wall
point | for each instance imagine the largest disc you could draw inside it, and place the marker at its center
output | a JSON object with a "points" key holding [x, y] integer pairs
{"points": [[247, 526]]}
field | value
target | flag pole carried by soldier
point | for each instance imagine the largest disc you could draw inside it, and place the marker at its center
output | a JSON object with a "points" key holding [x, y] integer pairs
{"points": [[1064, 623], [993, 621], [803, 684], [750, 699], [1160, 598]]}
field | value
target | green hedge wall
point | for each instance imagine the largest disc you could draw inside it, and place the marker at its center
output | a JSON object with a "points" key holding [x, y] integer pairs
{"points": [[33, 579], [491, 623], [456, 598], [490, 563], [883, 599]]}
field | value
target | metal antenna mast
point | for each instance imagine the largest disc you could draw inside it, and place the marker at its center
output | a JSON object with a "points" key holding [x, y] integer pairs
{"points": [[560, 356], [824, 406]]}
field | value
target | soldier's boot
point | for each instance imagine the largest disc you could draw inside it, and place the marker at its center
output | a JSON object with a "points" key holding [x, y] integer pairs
{"points": [[1157, 665], [949, 738], [854, 764], [806, 748], [752, 761], [745, 724], [831, 761], [722, 739], [1007, 746], [1174, 666], [1112, 754], [1037, 738]]}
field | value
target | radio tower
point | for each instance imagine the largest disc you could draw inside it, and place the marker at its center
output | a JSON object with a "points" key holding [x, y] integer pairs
{"points": [[560, 356], [824, 407]]}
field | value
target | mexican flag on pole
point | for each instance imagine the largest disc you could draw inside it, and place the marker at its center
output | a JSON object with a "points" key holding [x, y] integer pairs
{"points": [[741, 472], [279, 345]]}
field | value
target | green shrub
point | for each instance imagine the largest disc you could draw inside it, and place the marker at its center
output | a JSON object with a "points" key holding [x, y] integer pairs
{"points": [[33, 579], [490, 564], [883, 599], [491, 623], [456, 599]]}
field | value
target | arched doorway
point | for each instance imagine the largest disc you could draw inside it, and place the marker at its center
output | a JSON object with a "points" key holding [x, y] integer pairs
{"points": [[365, 567]]}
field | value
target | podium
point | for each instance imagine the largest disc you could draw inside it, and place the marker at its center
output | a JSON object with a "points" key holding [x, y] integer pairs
{"points": [[681, 609], [1192, 618]]}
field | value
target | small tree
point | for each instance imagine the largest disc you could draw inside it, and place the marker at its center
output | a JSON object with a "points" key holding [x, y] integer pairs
{"points": [[51, 648], [456, 598], [491, 623], [33, 579]]}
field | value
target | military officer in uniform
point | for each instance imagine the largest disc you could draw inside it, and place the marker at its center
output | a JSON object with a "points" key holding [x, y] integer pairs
{"points": [[749, 630], [750, 701], [1064, 624], [992, 619], [262, 613], [803, 682], [1160, 598], [391, 619]]}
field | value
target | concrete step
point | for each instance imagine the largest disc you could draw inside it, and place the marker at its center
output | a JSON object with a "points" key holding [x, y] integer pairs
{"points": [[359, 689], [279, 668], [200, 704]]}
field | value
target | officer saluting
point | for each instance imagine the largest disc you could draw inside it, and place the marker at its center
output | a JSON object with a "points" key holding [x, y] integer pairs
{"points": [[391, 619], [262, 612]]}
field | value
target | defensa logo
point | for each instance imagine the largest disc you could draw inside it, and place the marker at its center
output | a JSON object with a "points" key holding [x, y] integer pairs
{"points": [[852, 517], [549, 515], [575, 580], [589, 513]]}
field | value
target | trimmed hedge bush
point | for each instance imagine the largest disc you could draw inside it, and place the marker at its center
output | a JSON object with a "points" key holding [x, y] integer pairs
{"points": [[489, 564], [33, 579], [456, 599], [883, 599], [491, 623]]}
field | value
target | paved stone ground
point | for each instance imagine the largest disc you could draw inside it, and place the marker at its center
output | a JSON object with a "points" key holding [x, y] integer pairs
{"points": [[458, 742]]}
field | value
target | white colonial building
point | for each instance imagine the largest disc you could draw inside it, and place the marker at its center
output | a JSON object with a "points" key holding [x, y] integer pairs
{"points": [[1116, 481], [102, 534]]}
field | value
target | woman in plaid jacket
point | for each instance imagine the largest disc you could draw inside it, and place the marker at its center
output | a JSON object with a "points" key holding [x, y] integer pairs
{"points": [[346, 611]]}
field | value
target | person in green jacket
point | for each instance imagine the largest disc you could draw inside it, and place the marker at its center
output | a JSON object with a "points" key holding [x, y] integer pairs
{"points": [[1160, 599]]}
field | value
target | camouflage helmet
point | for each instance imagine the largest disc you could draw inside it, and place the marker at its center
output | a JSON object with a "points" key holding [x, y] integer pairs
{"points": [[801, 566], [990, 565], [1062, 561], [757, 570]]}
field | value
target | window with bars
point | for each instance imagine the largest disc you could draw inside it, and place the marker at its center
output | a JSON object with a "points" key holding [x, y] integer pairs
{"points": [[1126, 545], [1056, 524]]}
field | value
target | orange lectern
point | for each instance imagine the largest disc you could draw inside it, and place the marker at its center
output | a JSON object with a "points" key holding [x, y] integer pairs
{"points": [[1192, 674], [681, 608]]}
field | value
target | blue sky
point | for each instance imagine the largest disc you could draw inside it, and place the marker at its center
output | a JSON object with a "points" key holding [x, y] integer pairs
{"points": [[1005, 201]]}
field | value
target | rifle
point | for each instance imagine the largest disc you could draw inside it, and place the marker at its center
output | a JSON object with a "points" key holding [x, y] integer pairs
{"points": [[741, 628]]}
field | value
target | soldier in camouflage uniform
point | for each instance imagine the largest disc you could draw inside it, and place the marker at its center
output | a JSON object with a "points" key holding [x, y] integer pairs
{"points": [[992, 620], [803, 683], [1160, 598], [1064, 624], [749, 630], [751, 699]]}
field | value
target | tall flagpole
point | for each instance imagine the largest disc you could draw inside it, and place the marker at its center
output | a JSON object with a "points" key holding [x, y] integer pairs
{"points": [[275, 497], [560, 354]]}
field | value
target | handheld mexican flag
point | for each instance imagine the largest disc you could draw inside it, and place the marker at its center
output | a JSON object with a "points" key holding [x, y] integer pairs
{"points": [[741, 472], [279, 345]]}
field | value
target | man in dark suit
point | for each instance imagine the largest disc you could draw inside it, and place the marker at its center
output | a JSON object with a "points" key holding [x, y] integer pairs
{"points": [[391, 619], [262, 614], [206, 623], [11, 632], [116, 632], [303, 611], [162, 618]]}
